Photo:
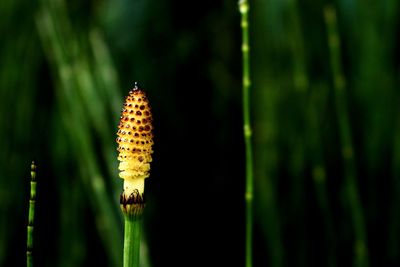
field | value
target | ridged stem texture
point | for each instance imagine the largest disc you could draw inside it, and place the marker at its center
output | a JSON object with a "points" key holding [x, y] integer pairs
{"points": [[350, 179], [132, 207], [244, 10], [133, 229], [31, 216]]}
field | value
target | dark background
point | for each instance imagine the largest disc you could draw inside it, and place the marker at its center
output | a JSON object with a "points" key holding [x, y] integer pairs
{"points": [[67, 65]]}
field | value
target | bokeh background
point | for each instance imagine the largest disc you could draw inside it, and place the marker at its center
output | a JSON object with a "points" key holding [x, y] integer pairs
{"points": [[326, 130]]}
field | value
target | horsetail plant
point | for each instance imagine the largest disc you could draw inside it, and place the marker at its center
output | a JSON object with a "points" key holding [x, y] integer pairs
{"points": [[244, 10], [350, 179], [135, 141], [31, 216]]}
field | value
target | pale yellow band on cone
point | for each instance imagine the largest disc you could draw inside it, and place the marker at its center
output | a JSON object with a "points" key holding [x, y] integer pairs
{"points": [[130, 186]]}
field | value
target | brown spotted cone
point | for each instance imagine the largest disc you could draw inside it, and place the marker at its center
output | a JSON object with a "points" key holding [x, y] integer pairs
{"points": [[135, 140]]}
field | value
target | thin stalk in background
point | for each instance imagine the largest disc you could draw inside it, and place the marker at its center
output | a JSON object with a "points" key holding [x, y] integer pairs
{"points": [[265, 132], [56, 34], [318, 99], [244, 10], [310, 100], [296, 139], [31, 216], [350, 179], [16, 81]]}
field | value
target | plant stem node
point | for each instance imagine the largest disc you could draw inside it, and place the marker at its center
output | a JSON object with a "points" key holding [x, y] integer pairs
{"points": [[132, 204]]}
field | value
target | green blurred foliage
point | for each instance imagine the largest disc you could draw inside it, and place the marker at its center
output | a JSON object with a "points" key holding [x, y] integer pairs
{"points": [[66, 66]]}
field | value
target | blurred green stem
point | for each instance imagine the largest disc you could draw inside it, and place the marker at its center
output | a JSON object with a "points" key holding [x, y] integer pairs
{"points": [[69, 63], [244, 10], [31, 216], [351, 187], [318, 98]]}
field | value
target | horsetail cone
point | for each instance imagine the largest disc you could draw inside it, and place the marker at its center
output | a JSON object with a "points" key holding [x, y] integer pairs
{"points": [[135, 141]]}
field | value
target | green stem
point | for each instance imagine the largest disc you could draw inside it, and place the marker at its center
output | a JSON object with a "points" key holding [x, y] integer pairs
{"points": [[55, 32], [319, 174], [132, 206], [244, 10], [133, 229], [350, 179], [31, 216]]}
